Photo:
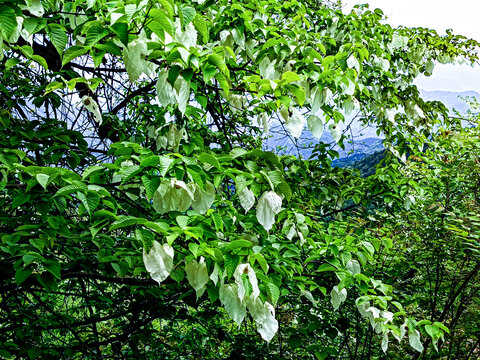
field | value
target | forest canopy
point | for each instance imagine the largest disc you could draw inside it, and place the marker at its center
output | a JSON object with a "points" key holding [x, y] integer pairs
{"points": [[142, 216]]}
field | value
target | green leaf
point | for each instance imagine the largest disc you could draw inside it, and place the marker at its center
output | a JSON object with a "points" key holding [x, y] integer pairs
{"points": [[43, 180], [123, 221], [284, 189], [165, 165], [73, 52], [201, 25], [231, 262], [89, 200], [218, 221], [273, 293], [69, 189], [209, 159], [290, 76], [260, 260], [129, 172], [58, 36], [159, 227], [22, 274], [188, 13], [53, 267], [298, 92], [236, 244], [8, 20], [151, 185], [121, 29], [217, 60], [224, 84]]}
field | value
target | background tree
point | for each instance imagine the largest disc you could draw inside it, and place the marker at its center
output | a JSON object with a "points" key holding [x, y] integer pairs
{"points": [[139, 210]]}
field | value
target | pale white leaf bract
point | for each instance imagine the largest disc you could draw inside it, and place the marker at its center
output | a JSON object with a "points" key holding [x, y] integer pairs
{"points": [[414, 340], [92, 106], [264, 315], [228, 295], [246, 269], [247, 199], [203, 199], [295, 123], [159, 261], [337, 297], [315, 125], [268, 206], [172, 195], [197, 275], [335, 132], [165, 92]]}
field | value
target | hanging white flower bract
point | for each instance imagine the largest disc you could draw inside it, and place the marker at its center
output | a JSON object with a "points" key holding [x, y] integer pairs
{"points": [[174, 136], [335, 132], [264, 315], [159, 261], [337, 297], [295, 123], [92, 106], [247, 198], [203, 199], [246, 269], [268, 206], [315, 125], [228, 296], [165, 92], [134, 57], [182, 93], [172, 195], [197, 275]]}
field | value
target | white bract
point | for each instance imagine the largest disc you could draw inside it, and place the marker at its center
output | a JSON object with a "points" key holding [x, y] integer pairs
{"points": [[264, 316], [187, 38], [92, 106], [237, 102], [247, 198], [174, 136], [172, 195], [315, 125], [165, 92], [335, 132], [228, 296], [246, 269], [134, 57], [159, 261], [268, 206], [197, 275], [203, 199], [35, 7], [295, 123], [182, 93], [414, 340], [385, 342], [337, 297], [262, 121], [353, 266]]}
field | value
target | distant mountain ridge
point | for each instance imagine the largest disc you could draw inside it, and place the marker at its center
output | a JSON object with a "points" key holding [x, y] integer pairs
{"points": [[452, 100], [361, 147]]}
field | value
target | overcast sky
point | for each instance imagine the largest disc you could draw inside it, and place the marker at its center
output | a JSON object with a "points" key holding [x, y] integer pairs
{"points": [[463, 16]]}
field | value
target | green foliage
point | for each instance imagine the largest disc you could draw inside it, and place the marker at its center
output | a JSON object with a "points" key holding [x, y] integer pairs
{"points": [[140, 213]]}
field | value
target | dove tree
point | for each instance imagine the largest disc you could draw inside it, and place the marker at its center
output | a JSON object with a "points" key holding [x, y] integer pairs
{"points": [[141, 215]]}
